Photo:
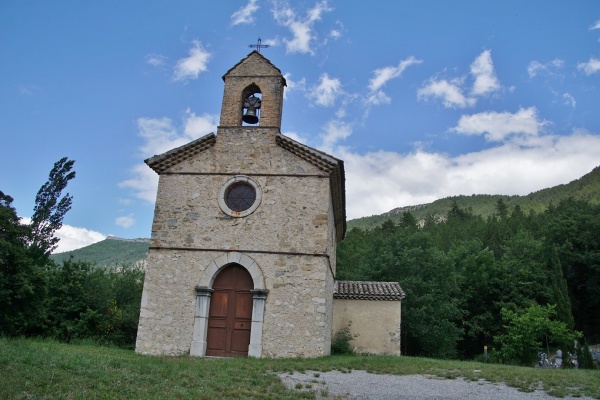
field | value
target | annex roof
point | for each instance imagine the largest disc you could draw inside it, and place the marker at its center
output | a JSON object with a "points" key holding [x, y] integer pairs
{"points": [[363, 290]]}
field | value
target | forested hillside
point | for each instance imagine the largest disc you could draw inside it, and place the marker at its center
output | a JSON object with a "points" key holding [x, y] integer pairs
{"points": [[109, 252], [587, 188], [463, 274]]}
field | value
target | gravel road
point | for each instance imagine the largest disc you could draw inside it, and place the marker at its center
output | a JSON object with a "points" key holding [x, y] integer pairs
{"points": [[362, 385]]}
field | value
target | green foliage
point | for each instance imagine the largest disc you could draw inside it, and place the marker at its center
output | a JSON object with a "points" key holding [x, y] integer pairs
{"points": [[102, 304], [460, 271], [572, 227], [340, 343], [584, 356], [529, 331], [22, 281], [50, 208], [24, 251], [406, 254]]}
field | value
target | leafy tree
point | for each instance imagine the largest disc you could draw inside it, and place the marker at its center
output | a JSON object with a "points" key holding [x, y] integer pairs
{"points": [[21, 282], [531, 330], [50, 208], [572, 227], [102, 304], [24, 252]]}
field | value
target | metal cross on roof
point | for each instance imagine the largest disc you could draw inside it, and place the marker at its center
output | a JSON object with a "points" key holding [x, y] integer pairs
{"points": [[258, 45]]}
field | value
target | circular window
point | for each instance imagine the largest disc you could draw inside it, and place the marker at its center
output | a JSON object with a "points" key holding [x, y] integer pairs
{"points": [[240, 196]]}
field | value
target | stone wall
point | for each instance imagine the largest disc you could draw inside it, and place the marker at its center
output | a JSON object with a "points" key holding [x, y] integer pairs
{"points": [[253, 70], [374, 325], [297, 310], [290, 236]]}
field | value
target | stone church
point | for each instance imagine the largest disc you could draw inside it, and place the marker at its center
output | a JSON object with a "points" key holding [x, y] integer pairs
{"points": [[243, 254]]}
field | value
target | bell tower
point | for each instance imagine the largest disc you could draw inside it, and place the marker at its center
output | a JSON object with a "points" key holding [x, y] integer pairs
{"points": [[253, 94]]}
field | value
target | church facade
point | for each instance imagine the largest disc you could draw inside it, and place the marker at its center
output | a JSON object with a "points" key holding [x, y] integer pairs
{"points": [[242, 260]]}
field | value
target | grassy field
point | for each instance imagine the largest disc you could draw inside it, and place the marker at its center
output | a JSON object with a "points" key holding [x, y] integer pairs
{"points": [[37, 369]]}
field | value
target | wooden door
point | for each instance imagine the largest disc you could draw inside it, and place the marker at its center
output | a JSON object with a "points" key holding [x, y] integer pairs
{"points": [[230, 315]]}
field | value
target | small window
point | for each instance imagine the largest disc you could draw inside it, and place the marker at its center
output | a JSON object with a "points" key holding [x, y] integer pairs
{"points": [[240, 196]]}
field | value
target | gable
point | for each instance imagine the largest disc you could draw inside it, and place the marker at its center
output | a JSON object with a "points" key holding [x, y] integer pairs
{"points": [[320, 161], [255, 64]]}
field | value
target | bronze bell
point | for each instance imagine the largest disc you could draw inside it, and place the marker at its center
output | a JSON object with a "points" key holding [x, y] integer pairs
{"points": [[252, 104]]}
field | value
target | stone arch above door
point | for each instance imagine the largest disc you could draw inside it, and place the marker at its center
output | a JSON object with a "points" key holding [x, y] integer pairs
{"points": [[233, 257], [203, 295]]}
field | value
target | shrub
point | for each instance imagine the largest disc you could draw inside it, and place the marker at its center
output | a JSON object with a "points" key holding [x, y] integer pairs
{"points": [[340, 344]]}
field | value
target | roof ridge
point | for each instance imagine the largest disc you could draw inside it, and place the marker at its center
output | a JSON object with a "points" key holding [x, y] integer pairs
{"points": [[247, 57], [164, 161], [368, 290]]}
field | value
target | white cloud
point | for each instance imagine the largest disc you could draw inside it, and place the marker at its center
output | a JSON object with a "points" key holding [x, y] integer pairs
{"points": [[497, 126], [73, 238], [271, 42], [482, 70], [196, 126], [144, 183], [381, 76], [245, 14], [125, 221], [569, 100], [301, 28], [536, 67], [590, 67], [450, 92], [326, 91], [189, 67], [335, 34], [595, 26], [378, 182], [378, 97], [156, 60], [160, 135], [335, 130], [292, 85]]}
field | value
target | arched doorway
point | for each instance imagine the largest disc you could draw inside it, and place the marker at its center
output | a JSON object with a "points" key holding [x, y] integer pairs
{"points": [[230, 314]]}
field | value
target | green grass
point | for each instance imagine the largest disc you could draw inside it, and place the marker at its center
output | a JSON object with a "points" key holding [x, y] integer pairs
{"points": [[39, 369]]}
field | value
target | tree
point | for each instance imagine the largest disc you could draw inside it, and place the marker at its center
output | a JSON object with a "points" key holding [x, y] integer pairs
{"points": [[21, 281], [50, 208], [24, 251], [531, 330]]}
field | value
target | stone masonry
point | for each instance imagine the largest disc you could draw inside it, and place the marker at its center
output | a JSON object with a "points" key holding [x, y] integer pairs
{"points": [[287, 243]]}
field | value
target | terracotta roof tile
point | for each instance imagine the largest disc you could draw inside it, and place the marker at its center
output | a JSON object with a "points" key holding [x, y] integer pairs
{"points": [[362, 290], [164, 161]]}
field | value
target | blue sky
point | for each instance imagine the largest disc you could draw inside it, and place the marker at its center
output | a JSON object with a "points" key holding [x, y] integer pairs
{"points": [[421, 99]]}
